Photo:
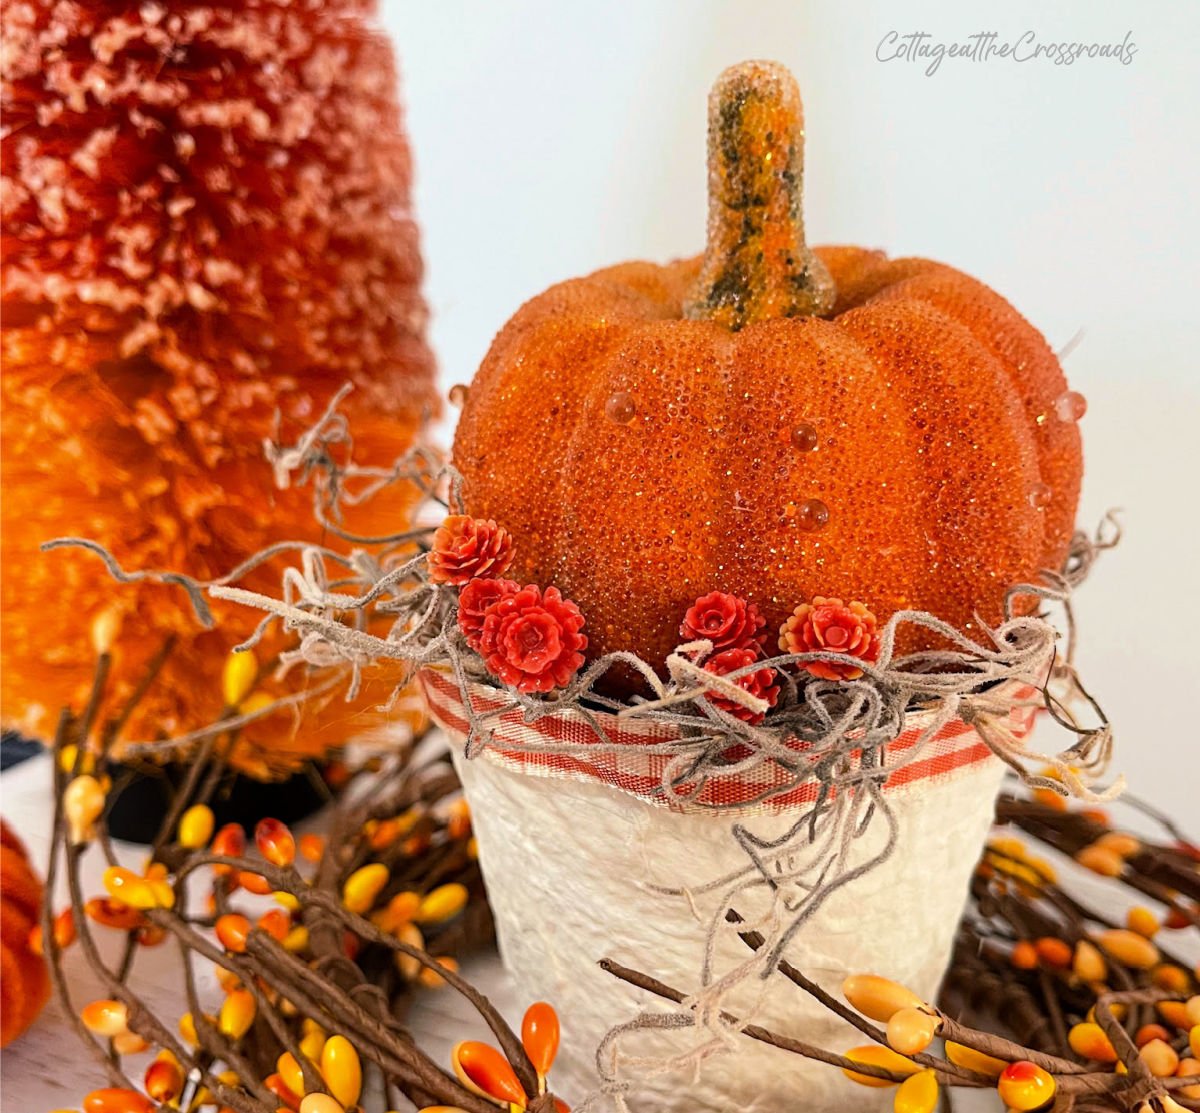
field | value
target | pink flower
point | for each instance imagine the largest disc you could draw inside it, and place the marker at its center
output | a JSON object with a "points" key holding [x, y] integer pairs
{"points": [[532, 639], [467, 548], [473, 601], [760, 682], [725, 620], [830, 624]]}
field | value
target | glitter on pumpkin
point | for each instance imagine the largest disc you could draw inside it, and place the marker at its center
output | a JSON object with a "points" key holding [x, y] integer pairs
{"points": [[465, 548], [206, 216], [829, 625], [930, 385], [532, 640]]}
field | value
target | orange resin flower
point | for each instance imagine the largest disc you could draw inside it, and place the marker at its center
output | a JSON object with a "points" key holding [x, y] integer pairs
{"points": [[833, 626], [466, 548]]}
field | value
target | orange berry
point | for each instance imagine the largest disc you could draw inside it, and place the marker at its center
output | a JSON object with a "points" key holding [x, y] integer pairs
{"points": [[113, 913], [1170, 977], [1097, 815], [1101, 861], [431, 979], [1119, 843], [1024, 955], [254, 883], [106, 1017], [232, 930], [312, 847], [114, 1099], [1025, 1086], [277, 1086], [63, 927], [1148, 1032], [1048, 798], [540, 1035], [229, 842], [1054, 952], [1174, 1013], [484, 1071], [129, 1043], [276, 923], [164, 1078], [275, 842]]}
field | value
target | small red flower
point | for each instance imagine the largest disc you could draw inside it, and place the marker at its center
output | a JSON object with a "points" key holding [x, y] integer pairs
{"points": [[760, 682], [473, 602], [830, 624], [467, 548], [531, 639], [725, 620]]}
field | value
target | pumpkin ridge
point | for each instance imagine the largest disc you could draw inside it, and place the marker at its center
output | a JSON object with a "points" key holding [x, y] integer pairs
{"points": [[945, 375]]}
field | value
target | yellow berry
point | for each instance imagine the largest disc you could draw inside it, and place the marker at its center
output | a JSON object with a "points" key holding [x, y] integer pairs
{"points": [[1088, 963], [83, 803], [238, 677], [409, 967], [445, 902], [196, 826], [878, 997], [918, 1094], [1119, 843], [1142, 920], [911, 1031], [341, 1069], [1089, 1041], [363, 886], [1170, 977], [1099, 860], [1160, 1057], [876, 1055], [289, 1070], [237, 1014], [1129, 948], [311, 1045], [971, 1059], [321, 1103], [1189, 1068]]}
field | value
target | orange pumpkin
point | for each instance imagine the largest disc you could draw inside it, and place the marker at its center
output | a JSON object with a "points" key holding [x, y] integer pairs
{"points": [[24, 981], [771, 420]]}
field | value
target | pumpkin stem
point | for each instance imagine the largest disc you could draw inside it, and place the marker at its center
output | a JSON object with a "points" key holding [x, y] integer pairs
{"points": [[756, 264]]}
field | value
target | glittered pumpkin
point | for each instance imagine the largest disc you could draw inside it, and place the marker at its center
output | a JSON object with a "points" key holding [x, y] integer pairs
{"points": [[770, 420], [24, 981]]}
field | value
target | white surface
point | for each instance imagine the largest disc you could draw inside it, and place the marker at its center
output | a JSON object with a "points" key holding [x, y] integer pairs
{"points": [[551, 139], [575, 873]]}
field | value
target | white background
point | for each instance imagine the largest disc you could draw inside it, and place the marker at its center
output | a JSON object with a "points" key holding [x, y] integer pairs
{"points": [[554, 138]]}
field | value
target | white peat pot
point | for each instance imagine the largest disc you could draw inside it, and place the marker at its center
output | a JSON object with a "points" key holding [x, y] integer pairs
{"points": [[575, 870]]}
